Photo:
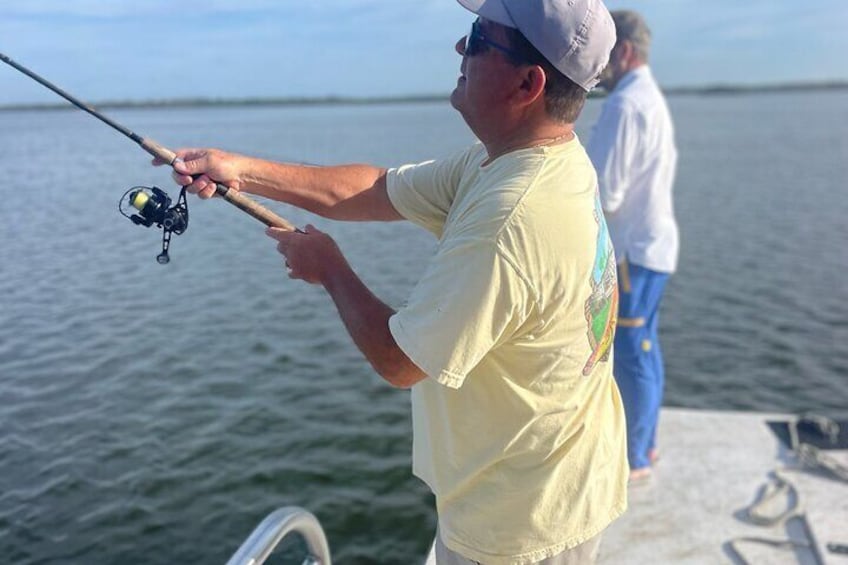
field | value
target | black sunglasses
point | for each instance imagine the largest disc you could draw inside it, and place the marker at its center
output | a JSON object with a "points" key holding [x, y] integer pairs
{"points": [[476, 43]]}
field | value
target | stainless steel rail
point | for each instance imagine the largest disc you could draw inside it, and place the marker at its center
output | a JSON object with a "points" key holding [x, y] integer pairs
{"points": [[277, 525]]}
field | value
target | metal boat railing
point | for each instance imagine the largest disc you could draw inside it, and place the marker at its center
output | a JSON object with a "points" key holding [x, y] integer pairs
{"points": [[277, 525]]}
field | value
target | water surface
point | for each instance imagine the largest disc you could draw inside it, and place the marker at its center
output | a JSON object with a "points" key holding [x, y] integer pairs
{"points": [[154, 414]]}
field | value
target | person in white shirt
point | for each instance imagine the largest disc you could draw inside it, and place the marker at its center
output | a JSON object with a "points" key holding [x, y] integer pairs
{"points": [[505, 341], [633, 150]]}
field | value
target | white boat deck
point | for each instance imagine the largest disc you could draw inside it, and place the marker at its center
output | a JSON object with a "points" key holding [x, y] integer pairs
{"points": [[713, 466]]}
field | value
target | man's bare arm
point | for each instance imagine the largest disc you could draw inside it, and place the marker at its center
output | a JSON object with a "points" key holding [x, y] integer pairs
{"points": [[346, 192]]}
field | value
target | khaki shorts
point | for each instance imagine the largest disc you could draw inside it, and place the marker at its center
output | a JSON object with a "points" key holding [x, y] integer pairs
{"points": [[584, 554]]}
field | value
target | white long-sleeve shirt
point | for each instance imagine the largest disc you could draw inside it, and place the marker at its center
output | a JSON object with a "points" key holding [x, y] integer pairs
{"points": [[632, 148]]}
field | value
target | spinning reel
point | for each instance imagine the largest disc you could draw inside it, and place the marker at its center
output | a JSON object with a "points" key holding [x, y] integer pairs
{"points": [[154, 207]]}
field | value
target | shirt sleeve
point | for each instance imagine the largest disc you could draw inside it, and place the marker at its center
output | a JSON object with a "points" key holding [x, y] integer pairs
{"points": [[612, 149], [424, 193], [469, 300]]}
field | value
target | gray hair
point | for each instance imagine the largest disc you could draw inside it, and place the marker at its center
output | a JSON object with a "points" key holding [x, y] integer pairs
{"points": [[631, 26]]}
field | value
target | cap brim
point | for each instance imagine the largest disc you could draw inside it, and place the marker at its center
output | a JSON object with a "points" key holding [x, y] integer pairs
{"points": [[493, 10]]}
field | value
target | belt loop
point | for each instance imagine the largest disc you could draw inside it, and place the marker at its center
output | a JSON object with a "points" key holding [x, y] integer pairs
{"points": [[624, 276]]}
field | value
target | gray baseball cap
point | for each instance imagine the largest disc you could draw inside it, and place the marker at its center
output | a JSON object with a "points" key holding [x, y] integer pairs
{"points": [[575, 36]]}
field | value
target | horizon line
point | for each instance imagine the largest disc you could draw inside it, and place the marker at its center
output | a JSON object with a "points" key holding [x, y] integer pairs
{"points": [[339, 100]]}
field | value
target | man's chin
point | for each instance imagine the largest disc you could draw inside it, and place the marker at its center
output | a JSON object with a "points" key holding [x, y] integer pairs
{"points": [[454, 99]]}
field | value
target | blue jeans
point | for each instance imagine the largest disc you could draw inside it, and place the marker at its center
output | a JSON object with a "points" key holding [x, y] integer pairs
{"points": [[638, 362]]}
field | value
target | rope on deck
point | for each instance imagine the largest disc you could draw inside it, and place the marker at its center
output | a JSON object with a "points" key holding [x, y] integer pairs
{"points": [[810, 457]]}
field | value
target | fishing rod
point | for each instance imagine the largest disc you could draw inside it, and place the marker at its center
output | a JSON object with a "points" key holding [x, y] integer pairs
{"points": [[151, 203]]}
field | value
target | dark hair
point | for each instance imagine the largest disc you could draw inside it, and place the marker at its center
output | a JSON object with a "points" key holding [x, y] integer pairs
{"points": [[564, 98]]}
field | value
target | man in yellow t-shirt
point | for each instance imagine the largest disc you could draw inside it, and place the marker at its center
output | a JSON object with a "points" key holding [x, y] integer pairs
{"points": [[506, 339], [518, 430]]}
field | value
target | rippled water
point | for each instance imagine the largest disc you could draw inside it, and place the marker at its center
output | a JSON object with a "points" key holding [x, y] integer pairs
{"points": [[154, 414]]}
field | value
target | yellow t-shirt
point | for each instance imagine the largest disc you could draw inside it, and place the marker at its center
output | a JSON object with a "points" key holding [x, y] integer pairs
{"points": [[519, 431]]}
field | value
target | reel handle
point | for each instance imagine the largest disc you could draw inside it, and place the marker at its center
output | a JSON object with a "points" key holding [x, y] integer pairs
{"points": [[234, 197]]}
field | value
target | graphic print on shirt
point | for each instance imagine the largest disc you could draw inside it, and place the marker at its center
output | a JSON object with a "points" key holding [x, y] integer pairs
{"points": [[601, 308]]}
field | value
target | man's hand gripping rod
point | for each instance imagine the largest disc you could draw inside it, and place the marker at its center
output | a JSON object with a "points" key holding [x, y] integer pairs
{"points": [[162, 153]]}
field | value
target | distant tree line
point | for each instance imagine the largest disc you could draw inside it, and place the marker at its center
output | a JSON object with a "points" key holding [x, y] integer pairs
{"points": [[717, 89]]}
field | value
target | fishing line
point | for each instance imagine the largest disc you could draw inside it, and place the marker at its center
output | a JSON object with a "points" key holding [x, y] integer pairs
{"points": [[151, 203]]}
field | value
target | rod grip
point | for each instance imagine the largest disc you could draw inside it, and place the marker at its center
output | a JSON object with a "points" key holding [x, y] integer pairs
{"points": [[160, 152], [253, 208]]}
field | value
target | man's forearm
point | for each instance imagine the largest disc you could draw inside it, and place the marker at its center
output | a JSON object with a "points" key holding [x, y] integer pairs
{"points": [[366, 318], [347, 192]]}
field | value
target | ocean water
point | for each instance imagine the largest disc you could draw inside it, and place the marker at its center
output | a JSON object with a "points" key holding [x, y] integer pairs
{"points": [[155, 414]]}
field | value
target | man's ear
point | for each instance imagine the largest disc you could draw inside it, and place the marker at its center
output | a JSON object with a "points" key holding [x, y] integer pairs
{"points": [[533, 83], [626, 51]]}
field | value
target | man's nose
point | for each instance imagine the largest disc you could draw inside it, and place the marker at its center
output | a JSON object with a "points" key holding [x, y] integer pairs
{"points": [[460, 46]]}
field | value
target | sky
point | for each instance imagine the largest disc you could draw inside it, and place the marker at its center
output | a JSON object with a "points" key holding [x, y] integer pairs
{"points": [[101, 50]]}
